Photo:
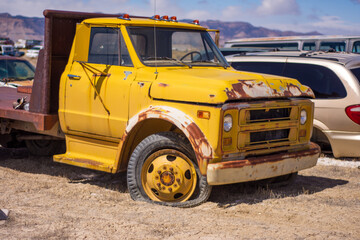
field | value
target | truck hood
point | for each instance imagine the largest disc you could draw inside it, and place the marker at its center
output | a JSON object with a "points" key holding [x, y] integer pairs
{"points": [[215, 86]]}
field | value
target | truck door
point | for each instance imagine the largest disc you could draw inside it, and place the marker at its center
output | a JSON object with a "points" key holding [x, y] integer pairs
{"points": [[97, 86]]}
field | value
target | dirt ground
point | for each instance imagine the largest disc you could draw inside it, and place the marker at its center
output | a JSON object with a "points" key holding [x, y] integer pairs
{"points": [[48, 200]]}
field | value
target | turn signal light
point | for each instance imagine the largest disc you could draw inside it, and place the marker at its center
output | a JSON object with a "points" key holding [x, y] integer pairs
{"points": [[203, 114], [227, 141], [353, 112], [302, 133]]}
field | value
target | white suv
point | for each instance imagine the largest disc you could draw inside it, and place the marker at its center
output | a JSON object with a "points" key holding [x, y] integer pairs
{"points": [[335, 80]]}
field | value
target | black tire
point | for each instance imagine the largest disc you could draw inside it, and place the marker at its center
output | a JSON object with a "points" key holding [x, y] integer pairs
{"points": [[45, 147], [167, 145]]}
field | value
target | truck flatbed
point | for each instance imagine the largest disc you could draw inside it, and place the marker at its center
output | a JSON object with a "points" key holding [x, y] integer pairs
{"points": [[41, 121]]}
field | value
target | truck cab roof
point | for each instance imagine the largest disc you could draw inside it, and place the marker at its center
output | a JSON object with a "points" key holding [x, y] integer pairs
{"points": [[142, 21]]}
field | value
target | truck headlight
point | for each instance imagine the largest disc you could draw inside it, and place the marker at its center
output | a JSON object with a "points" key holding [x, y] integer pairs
{"points": [[303, 117], [228, 122]]}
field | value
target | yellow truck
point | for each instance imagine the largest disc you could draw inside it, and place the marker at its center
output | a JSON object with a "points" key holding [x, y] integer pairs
{"points": [[156, 98]]}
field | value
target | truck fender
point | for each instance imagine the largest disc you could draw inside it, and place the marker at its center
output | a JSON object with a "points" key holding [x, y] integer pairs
{"points": [[201, 146]]}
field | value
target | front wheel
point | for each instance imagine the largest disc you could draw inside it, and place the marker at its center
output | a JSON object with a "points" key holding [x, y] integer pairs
{"points": [[162, 169]]}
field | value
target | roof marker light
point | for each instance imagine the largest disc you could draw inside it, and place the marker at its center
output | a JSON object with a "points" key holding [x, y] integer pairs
{"points": [[125, 17], [165, 18], [173, 18], [156, 17], [196, 22]]}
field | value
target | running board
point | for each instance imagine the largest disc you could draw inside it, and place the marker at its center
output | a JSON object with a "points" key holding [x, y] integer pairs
{"points": [[89, 153]]}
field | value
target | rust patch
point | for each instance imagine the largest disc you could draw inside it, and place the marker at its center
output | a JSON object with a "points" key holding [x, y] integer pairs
{"points": [[314, 149], [163, 85], [24, 89], [253, 89], [202, 148]]}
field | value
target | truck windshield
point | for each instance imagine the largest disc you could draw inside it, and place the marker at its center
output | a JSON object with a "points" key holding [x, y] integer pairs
{"points": [[175, 47]]}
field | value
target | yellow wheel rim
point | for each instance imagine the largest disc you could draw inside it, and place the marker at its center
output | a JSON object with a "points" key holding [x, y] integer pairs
{"points": [[168, 176]]}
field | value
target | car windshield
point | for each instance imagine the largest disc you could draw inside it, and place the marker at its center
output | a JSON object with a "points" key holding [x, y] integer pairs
{"points": [[11, 69], [175, 47], [356, 72]]}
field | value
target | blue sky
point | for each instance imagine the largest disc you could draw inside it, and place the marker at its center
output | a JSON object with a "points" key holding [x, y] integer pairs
{"points": [[324, 16]]}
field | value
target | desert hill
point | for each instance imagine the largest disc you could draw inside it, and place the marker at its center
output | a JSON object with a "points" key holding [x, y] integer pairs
{"points": [[20, 27]]}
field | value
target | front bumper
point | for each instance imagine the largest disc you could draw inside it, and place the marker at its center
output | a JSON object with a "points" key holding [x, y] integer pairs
{"points": [[257, 168]]}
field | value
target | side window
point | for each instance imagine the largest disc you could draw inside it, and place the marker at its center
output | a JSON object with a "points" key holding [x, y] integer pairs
{"points": [[356, 72], [281, 46], [356, 47], [309, 46], [259, 67], [104, 47], [324, 82], [334, 46]]}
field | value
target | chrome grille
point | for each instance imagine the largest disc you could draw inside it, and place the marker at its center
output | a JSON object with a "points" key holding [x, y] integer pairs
{"points": [[267, 115], [269, 136], [267, 127]]}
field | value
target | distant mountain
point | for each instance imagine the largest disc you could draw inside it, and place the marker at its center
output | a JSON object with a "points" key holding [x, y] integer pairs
{"points": [[234, 30], [20, 27]]}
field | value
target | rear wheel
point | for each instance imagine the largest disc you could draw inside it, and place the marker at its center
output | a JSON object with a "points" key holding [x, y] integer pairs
{"points": [[162, 169], [45, 147]]}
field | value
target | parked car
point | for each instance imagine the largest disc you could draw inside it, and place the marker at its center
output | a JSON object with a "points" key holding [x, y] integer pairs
{"points": [[335, 80], [15, 71], [6, 41], [338, 43], [27, 43], [34, 52], [10, 50]]}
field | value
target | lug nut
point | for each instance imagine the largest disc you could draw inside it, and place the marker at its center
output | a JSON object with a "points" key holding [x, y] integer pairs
{"points": [[157, 177], [175, 185], [159, 185], [170, 189], [178, 180], [171, 169], [164, 167], [158, 171]]}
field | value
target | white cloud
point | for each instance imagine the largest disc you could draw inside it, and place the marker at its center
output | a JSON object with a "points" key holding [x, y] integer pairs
{"points": [[278, 7], [35, 8], [198, 14], [335, 25], [232, 13], [328, 25]]}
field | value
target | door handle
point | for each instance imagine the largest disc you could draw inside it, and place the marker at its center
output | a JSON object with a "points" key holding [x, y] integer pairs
{"points": [[74, 77]]}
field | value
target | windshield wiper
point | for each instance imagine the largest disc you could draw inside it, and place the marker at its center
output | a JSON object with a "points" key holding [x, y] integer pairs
{"points": [[170, 59], [217, 63]]}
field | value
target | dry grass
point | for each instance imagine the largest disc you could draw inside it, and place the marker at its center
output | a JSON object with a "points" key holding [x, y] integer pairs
{"points": [[48, 200]]}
